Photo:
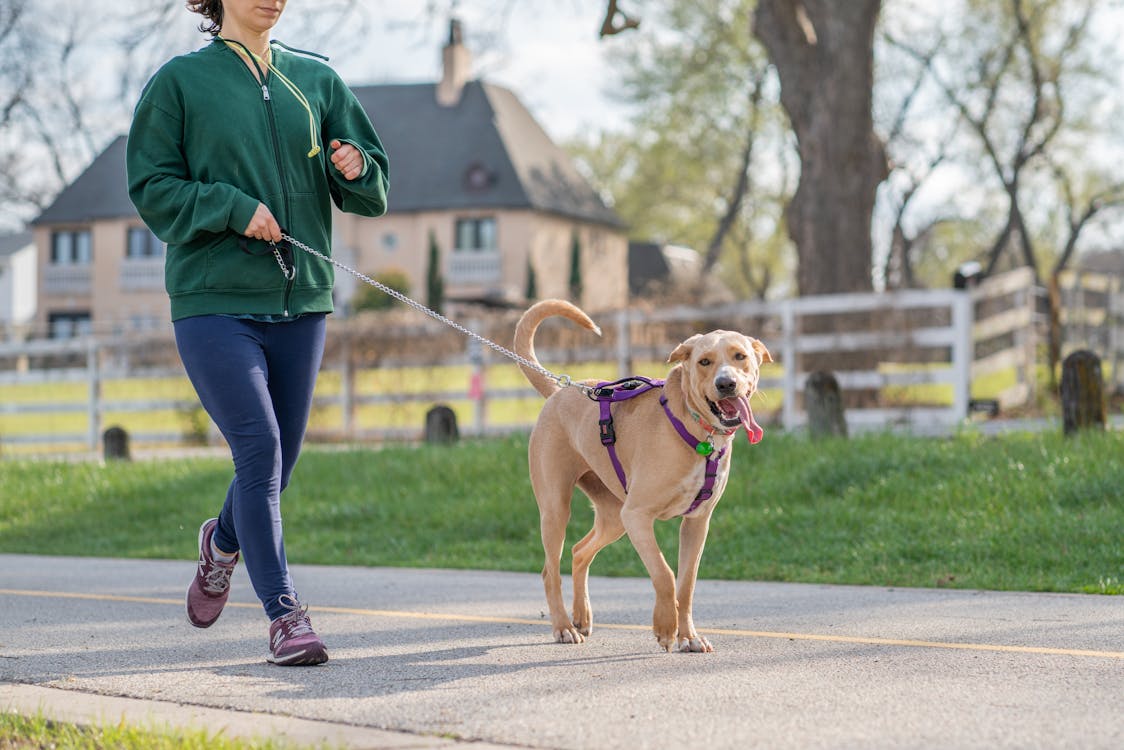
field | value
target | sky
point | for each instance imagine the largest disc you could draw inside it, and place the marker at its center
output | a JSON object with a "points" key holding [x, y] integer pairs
{"points": [[546, 51]]}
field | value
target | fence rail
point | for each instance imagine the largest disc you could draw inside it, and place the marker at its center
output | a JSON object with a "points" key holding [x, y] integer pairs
{"points": [[915, 353]]}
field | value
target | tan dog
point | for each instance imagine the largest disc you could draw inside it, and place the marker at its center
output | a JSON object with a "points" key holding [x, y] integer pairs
{"points": [[708, 391]]}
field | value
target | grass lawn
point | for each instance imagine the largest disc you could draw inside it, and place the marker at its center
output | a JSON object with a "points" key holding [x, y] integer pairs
{"points": [[1035, 512], [18, 732]]}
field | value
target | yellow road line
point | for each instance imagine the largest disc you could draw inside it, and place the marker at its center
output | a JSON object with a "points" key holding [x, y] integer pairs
{"points": [[445, 616]]}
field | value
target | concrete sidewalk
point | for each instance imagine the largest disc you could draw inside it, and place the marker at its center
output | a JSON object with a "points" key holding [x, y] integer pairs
{"points": [[435, 659]]}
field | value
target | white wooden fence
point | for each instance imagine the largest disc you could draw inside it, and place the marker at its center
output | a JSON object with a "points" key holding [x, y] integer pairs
{"points": [[945, 349], [918, 351]]}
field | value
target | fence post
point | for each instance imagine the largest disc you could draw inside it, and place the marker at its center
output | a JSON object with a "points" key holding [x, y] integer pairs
{"points": [[624, 343], [1082, 309], [476, 387], [962, 353], [1115, 317], [1025, 361], [93, 404], [347, 387], [788, 359]]}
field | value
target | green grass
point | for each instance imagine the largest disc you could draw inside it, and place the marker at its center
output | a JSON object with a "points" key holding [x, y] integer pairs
{"points": [[1034, 512], [18, 732]]}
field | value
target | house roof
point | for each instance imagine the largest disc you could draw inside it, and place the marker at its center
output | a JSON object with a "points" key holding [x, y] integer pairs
{"points": [[10, 244], [485, 153], [101, 192]]}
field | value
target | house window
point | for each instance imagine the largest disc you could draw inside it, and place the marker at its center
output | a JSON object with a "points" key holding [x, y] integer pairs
{"points": [[72, 248], [142, 243], [68, 325], [476, 235]]}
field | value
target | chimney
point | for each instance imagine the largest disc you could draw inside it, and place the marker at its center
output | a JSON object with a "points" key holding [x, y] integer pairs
{"points": [[456, 66]]}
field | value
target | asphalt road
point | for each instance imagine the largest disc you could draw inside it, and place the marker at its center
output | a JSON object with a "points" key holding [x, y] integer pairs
{"points": [[442, 659]]}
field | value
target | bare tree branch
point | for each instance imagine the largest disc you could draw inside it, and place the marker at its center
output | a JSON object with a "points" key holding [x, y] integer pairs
{"points": [[611, 25], [742, 184]]}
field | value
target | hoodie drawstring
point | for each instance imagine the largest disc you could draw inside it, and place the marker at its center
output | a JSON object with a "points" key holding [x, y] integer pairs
{"points": [[296, 92]]}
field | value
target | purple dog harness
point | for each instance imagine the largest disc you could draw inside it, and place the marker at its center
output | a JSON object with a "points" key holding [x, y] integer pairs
{"points": [[607, 393]]}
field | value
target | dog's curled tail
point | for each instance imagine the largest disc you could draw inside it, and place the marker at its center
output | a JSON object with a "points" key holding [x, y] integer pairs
{"points": [[525, 336]]}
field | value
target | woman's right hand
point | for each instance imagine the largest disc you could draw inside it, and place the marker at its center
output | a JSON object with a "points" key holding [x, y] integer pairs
{"points": [[263, 226]]}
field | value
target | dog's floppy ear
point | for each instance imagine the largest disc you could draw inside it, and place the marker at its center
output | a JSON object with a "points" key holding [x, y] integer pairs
{"points": [[684, 350], [762, 352]]}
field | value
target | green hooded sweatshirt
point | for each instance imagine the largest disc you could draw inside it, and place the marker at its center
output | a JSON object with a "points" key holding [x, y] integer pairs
{"points": [[208, 143]]}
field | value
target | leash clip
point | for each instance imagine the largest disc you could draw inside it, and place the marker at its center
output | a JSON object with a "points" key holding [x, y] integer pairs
{"points": [[290, 272]]}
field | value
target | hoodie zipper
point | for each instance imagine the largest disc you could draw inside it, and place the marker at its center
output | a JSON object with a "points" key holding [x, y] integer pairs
{"points": [[284, 189], [263, 81]]}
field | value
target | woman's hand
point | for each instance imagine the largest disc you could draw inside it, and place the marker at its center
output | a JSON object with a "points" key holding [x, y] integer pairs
{"points": [[347, 159], [263, 226]]}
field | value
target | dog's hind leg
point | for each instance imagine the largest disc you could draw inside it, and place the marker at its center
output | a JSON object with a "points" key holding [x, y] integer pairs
{"points": [[607, 528]]}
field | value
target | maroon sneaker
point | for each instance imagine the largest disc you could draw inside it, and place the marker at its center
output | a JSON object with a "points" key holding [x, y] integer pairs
{"points": [[206, 596], [292, 642]]}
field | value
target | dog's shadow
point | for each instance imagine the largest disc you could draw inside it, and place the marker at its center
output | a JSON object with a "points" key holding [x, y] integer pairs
{"points": [[363, 672]]}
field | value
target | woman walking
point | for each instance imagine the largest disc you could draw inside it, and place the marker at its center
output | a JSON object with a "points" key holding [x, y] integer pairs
{"points": [[228, 145]]}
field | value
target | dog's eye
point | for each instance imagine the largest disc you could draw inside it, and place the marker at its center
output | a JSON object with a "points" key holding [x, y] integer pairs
{"points": [[740, 356], [704, 362]]}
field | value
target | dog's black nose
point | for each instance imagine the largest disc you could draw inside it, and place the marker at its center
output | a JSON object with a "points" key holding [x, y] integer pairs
{"points": [[725, 385]]}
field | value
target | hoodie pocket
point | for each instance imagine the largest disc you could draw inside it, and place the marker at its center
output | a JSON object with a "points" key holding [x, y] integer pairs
{"points": [[230, 268]]}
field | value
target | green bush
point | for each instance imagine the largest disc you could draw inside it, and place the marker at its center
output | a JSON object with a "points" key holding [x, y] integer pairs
{"points": [[368, 297]]}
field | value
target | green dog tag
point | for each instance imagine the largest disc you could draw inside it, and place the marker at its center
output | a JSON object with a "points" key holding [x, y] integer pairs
{"points": [[704, 449]]}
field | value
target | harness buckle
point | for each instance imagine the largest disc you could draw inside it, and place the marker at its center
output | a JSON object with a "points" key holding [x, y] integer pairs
{"points": [[608, 434]]}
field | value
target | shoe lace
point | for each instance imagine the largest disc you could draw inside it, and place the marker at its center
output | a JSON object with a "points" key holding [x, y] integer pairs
{"points": [[217, 579], [295, 621]]}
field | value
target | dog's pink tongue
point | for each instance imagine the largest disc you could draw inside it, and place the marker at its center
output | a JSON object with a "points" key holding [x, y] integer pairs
{"points": [[753, 430]]}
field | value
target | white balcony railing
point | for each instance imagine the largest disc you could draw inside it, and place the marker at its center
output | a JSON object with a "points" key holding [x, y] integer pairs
{"points": [[142, 275], [67, 279], [475, 267]]}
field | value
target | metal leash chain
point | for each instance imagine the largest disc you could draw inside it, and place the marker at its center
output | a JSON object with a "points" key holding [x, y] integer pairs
{"points": [[290, 273], [562, 380]]}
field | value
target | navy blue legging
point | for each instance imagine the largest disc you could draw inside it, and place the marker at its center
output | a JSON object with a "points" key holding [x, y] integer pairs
{"points": [[255, 380]]}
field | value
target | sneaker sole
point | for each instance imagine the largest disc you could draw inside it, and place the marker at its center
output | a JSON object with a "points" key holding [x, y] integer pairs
{"points": [[299, 659]]}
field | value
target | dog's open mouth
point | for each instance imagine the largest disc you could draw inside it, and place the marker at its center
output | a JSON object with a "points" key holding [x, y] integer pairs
{"points": [[735, 411]]}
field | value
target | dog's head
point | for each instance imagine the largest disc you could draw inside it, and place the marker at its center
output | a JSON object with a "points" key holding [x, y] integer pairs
{"points": [[720, 371]]}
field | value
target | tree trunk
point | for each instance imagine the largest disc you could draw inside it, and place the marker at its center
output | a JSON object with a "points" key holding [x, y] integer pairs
{"points": [[824, 54]]}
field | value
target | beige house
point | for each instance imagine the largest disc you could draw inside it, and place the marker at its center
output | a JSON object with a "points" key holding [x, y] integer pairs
{"points": [[470, 167]]}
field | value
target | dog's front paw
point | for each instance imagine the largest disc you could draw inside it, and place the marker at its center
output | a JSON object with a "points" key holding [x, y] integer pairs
{"points": [[664, 625], [695, 644], [583, 617], [568, 635]]}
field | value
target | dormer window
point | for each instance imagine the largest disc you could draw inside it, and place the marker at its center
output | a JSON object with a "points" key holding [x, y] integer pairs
{"points": [[478, 177]]}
